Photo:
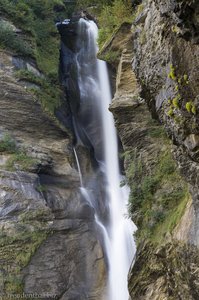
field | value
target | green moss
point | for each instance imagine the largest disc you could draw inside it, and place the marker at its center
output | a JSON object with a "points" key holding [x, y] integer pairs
{"points": [[188, 106], [170, 113], [175, 29], [175, 101], [185, 77], [172, 74], [180, 80], [193, 109], [176, 88]]}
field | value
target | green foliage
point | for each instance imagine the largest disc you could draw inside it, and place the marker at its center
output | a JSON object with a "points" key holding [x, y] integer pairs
{"points": [[10, 40], [111, 17], [111, 56], [36, 18], [20, 160], [39, 40], [156, 194], [86, 3], [174, 214], [16, 251], [7, 144]]}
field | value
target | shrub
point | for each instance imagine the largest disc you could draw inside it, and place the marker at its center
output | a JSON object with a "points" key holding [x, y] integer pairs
{"points": [[7, 144]]}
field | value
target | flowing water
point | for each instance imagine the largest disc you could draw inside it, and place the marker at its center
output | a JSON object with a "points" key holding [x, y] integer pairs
{"points": [[98, 125]]}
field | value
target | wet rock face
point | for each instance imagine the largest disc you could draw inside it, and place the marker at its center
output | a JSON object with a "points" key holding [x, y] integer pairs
{"points": [[49, 243]]}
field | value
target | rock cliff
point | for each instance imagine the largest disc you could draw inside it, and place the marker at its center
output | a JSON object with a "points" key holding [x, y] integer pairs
{"points": [[49, 245], [156, 112]]}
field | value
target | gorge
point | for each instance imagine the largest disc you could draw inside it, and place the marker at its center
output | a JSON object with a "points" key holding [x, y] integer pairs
{"points": [[62, 234]]}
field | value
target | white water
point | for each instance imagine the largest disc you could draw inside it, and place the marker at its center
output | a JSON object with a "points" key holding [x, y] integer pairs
{"points": [[95, 90], [122, 244]]}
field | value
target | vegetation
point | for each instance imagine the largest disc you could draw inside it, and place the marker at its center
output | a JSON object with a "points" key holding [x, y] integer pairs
{"points": [[36, 18], [82, 4], [158, 194], [190, 107], [175, 101], [39, 39], [7, 144], [18, 159], [111, 17], [172, 74], [49, 92], [9, 39], [182, 91], [157, 132], [16, 251], [111, 56]]}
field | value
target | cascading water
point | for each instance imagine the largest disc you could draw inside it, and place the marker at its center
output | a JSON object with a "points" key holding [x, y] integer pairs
{"points": [[97, 125]]}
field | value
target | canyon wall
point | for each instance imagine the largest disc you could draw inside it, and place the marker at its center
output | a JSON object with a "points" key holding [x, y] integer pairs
{"points": [[156, 112]]}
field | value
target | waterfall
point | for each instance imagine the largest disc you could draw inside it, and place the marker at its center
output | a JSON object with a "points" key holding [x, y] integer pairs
{"points": [[97, 124], [78, 167]]}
